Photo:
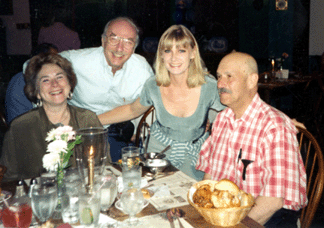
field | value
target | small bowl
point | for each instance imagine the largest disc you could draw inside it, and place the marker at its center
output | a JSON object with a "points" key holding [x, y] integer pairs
{"points": [[156, 165], [151, 155]]}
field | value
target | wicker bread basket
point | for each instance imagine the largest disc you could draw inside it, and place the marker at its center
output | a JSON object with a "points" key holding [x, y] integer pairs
{"points": [[220, 216]]}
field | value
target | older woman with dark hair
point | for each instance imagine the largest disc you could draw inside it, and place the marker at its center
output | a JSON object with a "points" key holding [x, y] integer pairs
{"points": [[50, 81], [182, 93]]}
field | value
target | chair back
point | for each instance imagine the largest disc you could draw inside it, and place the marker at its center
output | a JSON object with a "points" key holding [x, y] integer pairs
{"points": [[3, 122], [143, 127], [314, 165]]}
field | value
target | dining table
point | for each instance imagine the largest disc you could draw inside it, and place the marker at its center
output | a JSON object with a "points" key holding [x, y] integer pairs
{"points": [[267, 83], [191, 215]]}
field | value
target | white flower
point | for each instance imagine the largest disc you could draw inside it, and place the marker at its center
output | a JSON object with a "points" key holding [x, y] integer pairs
{"points": [[57, 146], [61, 133], [50, 135], [50, 161]]}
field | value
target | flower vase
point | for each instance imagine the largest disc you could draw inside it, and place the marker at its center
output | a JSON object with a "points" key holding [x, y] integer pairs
{"points": [[60, 192]]}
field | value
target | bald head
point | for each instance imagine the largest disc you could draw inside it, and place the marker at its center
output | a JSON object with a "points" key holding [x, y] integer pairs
{"points": [[237, 75], [247, 63]]}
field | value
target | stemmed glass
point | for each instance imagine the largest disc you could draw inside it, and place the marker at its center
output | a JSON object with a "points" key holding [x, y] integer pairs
{"points": [[44, 200], [132, 202]]}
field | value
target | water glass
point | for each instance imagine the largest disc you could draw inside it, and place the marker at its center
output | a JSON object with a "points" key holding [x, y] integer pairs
{"points": [[129, 153], [70, 200], [89, 208], [108, 190], [132, 202], [132, 176], [44, 201]]}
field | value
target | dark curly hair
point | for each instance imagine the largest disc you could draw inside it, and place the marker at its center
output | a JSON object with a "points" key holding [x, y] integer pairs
{"points": [[34, 67]]}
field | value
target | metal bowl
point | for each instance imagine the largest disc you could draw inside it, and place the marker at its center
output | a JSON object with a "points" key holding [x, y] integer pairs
{"points": [[151, 156], [156, 165]]}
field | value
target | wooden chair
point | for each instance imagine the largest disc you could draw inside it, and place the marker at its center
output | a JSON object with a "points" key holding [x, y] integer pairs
{"points": [[144, 126], [3, 122], [314, 165]]}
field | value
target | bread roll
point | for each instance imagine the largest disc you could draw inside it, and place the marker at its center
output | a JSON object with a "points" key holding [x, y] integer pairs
{"points": [[224, 199], [227, 185], [146, 193], [220, 194], [246, 199]]}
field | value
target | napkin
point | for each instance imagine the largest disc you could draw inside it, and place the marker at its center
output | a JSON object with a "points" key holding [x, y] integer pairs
{"points": [[161, 221], [160, 191], [103, 221]]}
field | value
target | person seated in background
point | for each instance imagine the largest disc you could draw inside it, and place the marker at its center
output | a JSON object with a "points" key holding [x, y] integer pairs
{"points": [[255, 146], [50, 81], [110, 76], [182, 93], [56, 32], [16, 102]]}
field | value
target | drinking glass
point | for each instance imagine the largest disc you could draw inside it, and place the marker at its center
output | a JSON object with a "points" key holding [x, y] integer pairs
{"points": [[108, 190], [44, 200], [132, 202], [129, 154], [70, 200], [132, 176], [89, 208], [16, 212]]}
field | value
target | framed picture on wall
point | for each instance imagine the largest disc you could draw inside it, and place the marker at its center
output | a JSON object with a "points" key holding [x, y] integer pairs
{"points": [[6, 7]]}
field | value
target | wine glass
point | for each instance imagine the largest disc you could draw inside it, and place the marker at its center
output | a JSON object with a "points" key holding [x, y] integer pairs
{"points": [[44, 200], [132, 202]]}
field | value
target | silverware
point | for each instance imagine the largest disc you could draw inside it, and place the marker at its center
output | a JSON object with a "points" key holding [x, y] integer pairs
{"points": [[162, 152], [170, 218], [175, 213]]}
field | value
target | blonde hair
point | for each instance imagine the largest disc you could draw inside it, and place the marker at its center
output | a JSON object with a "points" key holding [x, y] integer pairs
{"points": [[183, 38]]}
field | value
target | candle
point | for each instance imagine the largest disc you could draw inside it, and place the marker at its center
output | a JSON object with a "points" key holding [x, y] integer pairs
{"points": [[272, 63], [91, 168]]}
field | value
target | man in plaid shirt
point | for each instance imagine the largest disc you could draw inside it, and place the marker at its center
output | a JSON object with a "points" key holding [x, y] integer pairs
{"points": [[255, 146]]}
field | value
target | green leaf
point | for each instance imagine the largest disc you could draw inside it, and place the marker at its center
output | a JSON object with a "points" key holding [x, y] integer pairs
{"points": [[70, 148]]}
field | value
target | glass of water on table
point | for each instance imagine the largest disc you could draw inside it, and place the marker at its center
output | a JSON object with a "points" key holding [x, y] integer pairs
{"points": [[108, 190], [129, 154], [89, 208], [44, 200], [70, 200]]}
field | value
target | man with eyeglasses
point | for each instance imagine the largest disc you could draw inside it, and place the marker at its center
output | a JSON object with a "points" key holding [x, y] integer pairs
{"points": [[110, 76]]}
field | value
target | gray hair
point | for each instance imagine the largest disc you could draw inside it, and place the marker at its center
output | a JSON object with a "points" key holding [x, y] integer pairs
{"points": [[127, 19]]}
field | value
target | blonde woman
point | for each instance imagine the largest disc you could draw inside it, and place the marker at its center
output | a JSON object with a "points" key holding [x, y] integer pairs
{"points": [[182, 93]]}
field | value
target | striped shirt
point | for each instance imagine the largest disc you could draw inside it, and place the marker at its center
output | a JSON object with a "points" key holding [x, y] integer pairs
{"points": [[259, 152]]}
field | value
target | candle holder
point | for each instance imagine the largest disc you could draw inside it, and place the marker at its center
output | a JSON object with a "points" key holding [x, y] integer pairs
{"points": [[92, 154]]}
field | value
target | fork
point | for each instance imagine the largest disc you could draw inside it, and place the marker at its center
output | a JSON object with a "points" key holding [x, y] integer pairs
{"points": [[170, 218]]}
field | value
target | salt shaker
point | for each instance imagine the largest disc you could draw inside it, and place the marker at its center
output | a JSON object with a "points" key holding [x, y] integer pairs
{"points": [[20, 189], [33, 182]]}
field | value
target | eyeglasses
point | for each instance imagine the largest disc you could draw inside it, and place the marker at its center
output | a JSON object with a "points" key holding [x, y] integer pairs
{"points": [[114, 40]]}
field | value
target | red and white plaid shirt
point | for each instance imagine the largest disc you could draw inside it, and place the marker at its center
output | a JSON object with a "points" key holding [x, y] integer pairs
{"points": [[265, 138]]}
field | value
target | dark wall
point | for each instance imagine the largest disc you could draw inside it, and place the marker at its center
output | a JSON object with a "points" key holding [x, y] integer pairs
{"points": [[265, 31]]}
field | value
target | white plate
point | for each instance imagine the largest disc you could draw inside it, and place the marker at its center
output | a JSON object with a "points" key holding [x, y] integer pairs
{"points": [[119, 207], [5, 196]]}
